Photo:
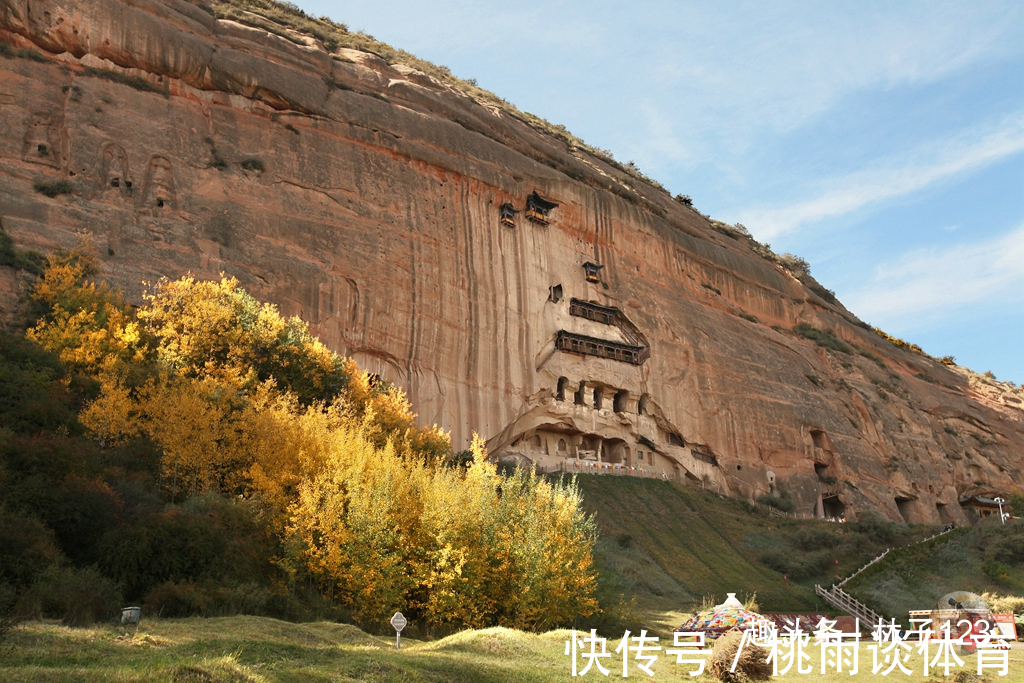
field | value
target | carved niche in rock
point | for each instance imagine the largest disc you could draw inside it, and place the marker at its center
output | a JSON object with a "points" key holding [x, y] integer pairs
{"points": [[158, 187], [42, 144], [114, 177]]}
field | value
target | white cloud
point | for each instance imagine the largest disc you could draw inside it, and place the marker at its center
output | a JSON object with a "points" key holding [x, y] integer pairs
{"points": [[931, 163], [929, 285]]}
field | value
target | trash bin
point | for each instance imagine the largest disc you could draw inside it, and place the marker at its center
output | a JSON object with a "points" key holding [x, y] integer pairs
{"points": [[131, 615]]}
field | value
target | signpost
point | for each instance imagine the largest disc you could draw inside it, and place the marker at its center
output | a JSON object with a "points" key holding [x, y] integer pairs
{"points": [[398, 622]]}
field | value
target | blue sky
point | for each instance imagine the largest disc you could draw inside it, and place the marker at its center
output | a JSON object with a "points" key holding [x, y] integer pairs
{"points": [[883, 142]]}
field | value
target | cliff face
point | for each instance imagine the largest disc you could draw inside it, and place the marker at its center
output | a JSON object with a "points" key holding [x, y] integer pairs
{"points": [[366, 198]]}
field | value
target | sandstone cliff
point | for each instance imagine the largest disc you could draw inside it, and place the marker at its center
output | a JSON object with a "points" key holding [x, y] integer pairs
{"points": [[366, 197]]}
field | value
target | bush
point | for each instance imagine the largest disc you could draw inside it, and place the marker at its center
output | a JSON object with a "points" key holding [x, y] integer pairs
{"points": [[816, 538], [252, 164], [995, 570], [8, 52], [822, 338], [15, 258], [752, 665], [872, 357], [794, 565], [782, 502], [78, 597], [1004, 543], [8, 610], [210, 537], [208, 599], [878, 529], [131, 81], [52, 189], [26, 549]]}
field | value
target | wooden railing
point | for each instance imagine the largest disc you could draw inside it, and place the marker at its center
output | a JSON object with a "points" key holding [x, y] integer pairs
{"points": [[591, 346], [844, 602], [610, 469], [923, 540]]}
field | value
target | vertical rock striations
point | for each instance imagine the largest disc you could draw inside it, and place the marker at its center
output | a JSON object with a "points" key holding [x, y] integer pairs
{"points": [[367, 199]]}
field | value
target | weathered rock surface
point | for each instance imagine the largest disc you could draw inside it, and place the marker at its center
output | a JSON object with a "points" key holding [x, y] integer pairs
{"points": [[375, 217]]}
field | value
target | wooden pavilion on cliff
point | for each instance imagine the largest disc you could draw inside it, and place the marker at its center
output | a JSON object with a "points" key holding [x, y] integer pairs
{"points": [[537, 208], [508, 215], [592, 271]]}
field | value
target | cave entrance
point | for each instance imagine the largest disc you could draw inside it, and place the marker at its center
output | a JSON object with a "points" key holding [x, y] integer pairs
{"points": [[944, 515], [905, 506], [833, 508], [615, 451]]}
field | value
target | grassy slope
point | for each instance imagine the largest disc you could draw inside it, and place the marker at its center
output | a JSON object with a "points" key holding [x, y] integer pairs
{"points": [[669, 546], [238, 649], [916, 577]]}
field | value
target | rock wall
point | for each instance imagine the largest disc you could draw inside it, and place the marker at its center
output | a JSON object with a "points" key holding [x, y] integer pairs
{"points": [[365, 198]]}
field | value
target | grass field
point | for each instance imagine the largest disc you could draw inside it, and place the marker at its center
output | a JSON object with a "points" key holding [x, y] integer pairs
{"points": [[663, 548], [244, 649]]}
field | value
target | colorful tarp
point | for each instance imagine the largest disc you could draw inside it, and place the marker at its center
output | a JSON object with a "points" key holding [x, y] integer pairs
{"points": [[720, 619]]}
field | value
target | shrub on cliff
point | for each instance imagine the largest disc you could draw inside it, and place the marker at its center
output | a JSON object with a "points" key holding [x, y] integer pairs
{"points": [[823, 338]]}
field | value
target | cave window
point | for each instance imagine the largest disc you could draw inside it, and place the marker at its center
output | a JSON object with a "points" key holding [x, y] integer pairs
{"points": [[819, 439], [42, 149], [560, 390], [705, 457], [598, 398], [555, 293], [580, 393], [592, 271], [676, 440], [115, 182], [641, 406], [128, 184], [639, 455], [821, 470], [619, 402], [160, 203], [739, 467]]}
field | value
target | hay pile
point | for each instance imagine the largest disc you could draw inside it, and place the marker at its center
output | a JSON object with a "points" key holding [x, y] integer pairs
{"points": [[753, 665]]}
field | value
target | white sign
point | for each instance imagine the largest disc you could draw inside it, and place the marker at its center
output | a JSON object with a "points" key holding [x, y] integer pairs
{"points": [[398, 622]]}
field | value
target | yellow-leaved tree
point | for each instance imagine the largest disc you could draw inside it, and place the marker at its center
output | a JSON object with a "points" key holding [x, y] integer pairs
{"points": [[242, 401]]}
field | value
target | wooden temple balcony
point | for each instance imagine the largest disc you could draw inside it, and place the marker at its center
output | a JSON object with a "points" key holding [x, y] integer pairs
{"points": [[537, 208], [536, 216], [602, 348], [599, 314]]}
